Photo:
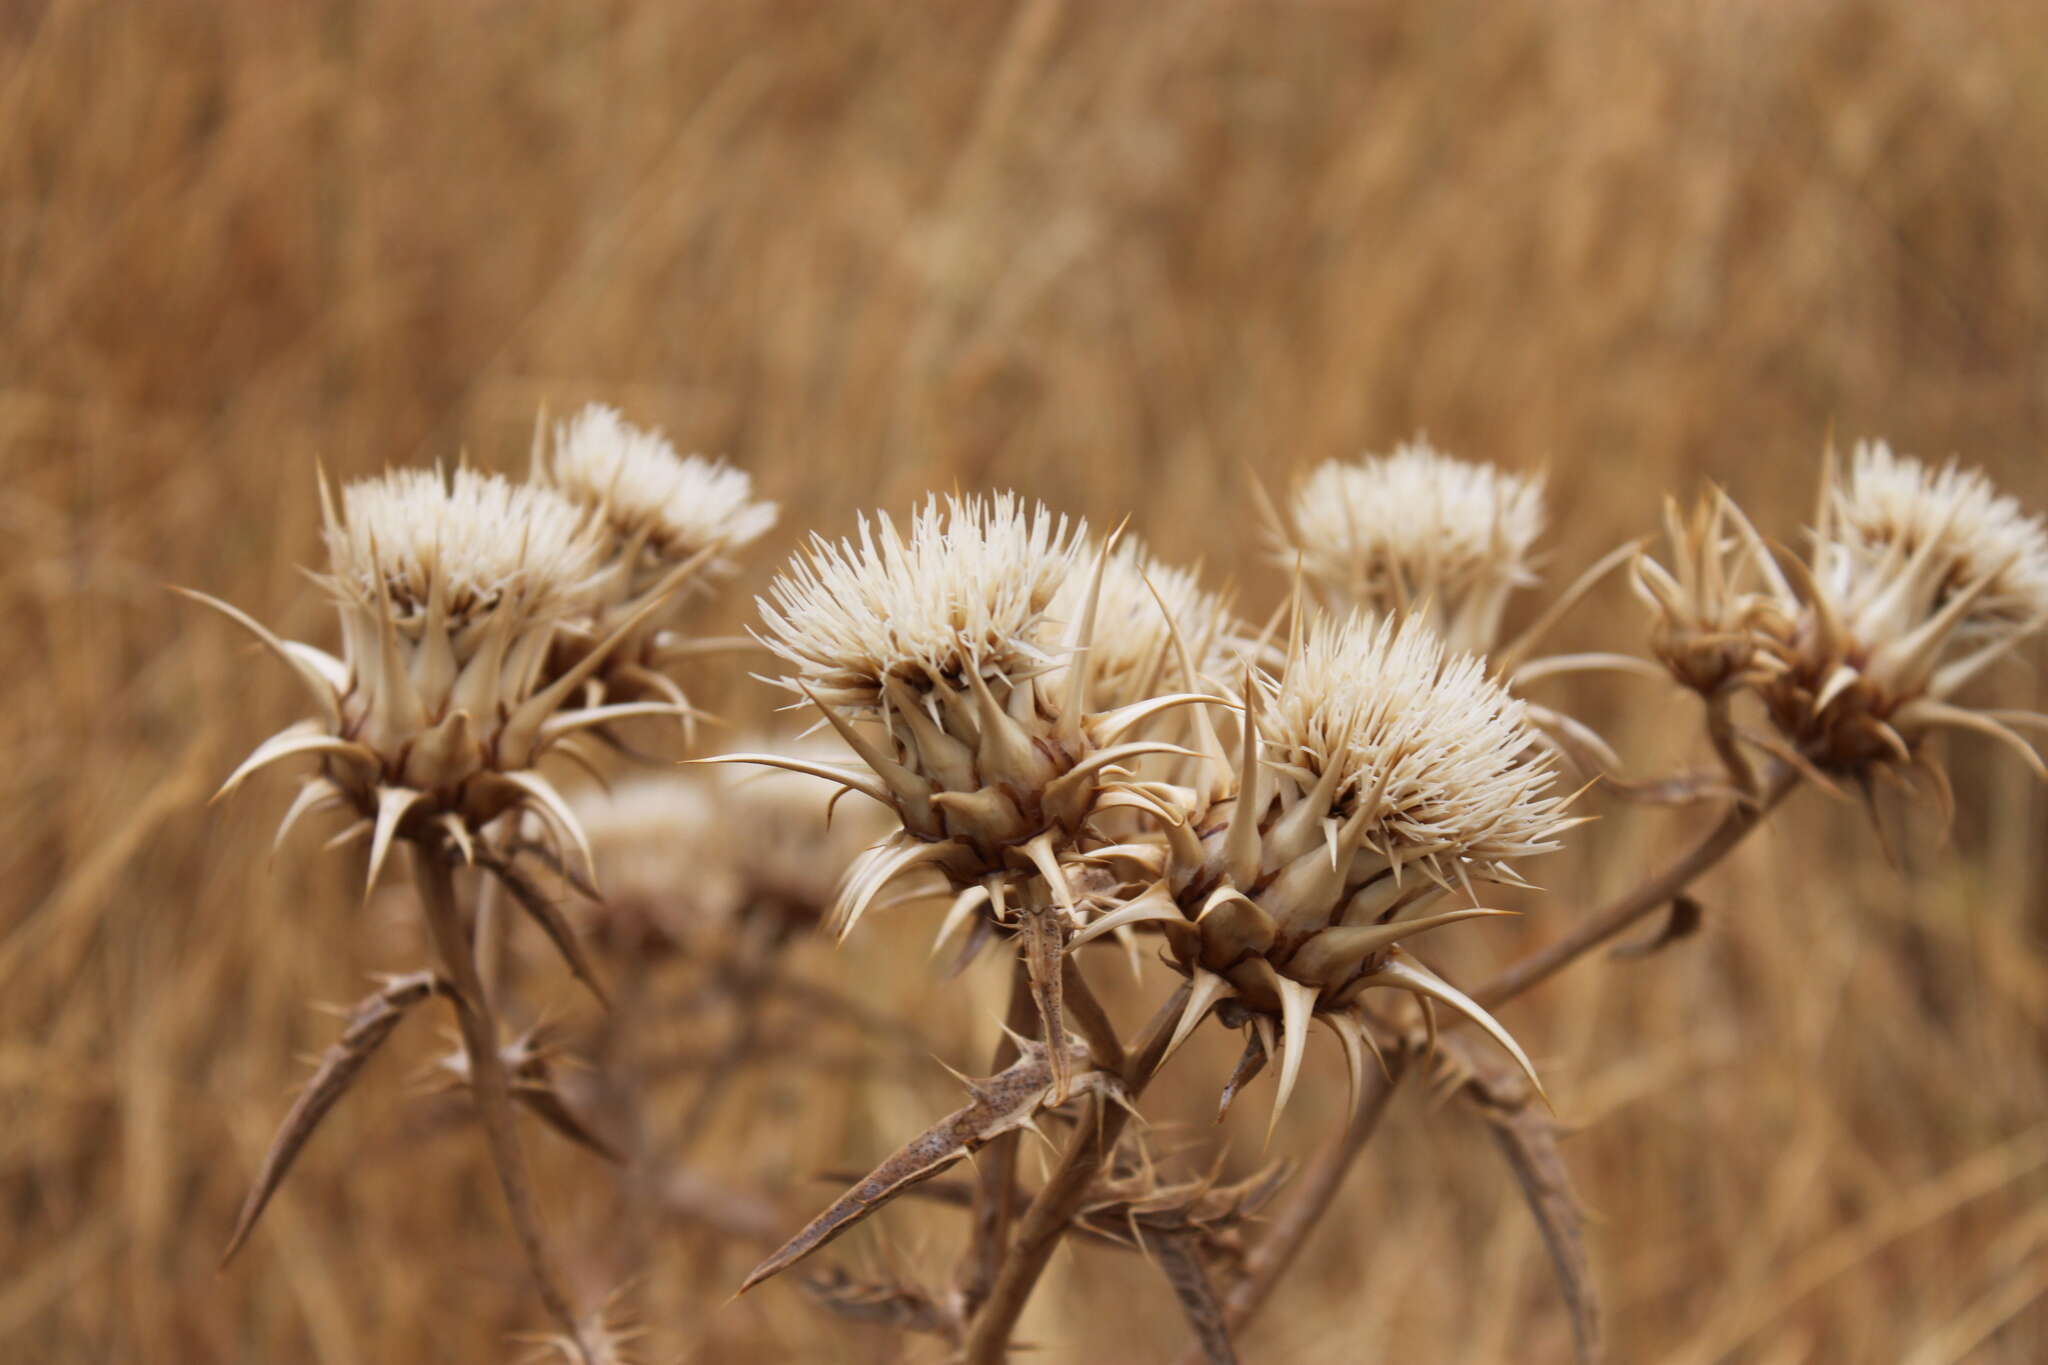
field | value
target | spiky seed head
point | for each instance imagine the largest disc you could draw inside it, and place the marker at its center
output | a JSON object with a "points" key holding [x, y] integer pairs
{"points": [[1383, 773], [699, 854], [663, 507], [1917, 579], [1900, 539], [1706, 607], [937, 636], [451, 592], [669, 524], [1417, 530], [936, 656]]}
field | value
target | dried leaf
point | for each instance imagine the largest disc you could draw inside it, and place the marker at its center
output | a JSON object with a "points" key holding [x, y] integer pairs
{"points": [[371, 1022], [549, 917], [1181, 1263], [1683, 921], [1002, 1104]]}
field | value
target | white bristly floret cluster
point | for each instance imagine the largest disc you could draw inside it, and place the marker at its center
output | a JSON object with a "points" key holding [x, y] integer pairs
{"points": [[1900, 538], [679, 503], [1424, 734], [962, 593], [1394, 532], [478, 539]]}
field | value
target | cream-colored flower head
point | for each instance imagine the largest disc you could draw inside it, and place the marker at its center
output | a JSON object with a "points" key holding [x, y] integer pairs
{"points": [[696, 853], [667, 506], [960, 597], [1379, 774], [451, 593], [1144, 603], [1900, 540], [1917, 580], [668, 523], [1417, 529], [929, 653]]}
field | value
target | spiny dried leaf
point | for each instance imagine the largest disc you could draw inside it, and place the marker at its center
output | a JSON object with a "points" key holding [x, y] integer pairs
{"points": [[549, 917], [371, 1022], [1180, 1261], [1001, 1104], [1683, 921], [906, 1307]]}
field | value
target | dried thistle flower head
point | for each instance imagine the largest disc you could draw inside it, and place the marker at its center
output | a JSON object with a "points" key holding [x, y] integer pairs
{"points": [[662, 508], [896, 616], [667, 521], [686, 855], [1417, 530], [1705, 608], [929, 654], [988, 749], [450, 592], [1381, 772], [1917, 580]]}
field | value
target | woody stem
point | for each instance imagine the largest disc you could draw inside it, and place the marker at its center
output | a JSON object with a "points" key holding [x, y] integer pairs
{"points": [[1095, 1136], [995, 1187], [489, 1083]]}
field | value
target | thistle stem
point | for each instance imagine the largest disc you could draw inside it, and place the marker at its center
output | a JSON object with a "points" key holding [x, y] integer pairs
{"points": [[489, 1083], [1095, 1136], [995, 1187], [1269, 1259], [1646, 897]]}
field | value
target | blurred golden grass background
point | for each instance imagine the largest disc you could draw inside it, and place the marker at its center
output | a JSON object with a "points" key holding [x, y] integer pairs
{"points": [[1113, 256]]}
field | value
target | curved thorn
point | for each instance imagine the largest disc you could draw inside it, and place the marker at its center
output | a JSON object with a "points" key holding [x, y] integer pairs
{"points": [[1297, 1004], [303, 738], [310, 665], [556, 812], [1205, 990], [845, 777], [392, 805], [1420, 981]]}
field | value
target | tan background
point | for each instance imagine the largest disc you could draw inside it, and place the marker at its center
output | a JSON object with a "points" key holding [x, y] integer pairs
{"points": [[1110, 255]]}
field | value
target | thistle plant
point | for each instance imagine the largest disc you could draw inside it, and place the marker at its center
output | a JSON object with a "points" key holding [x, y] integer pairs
{"points": [[455, 595], [1069, 742]]}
